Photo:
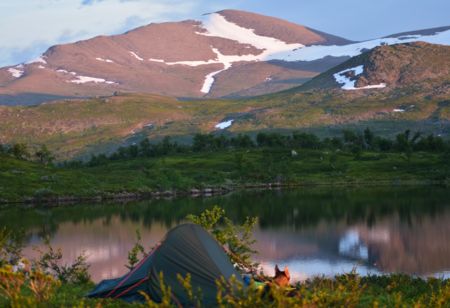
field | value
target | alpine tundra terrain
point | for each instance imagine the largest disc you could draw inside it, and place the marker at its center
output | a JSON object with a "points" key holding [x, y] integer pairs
{"points": [[389, 89], [228, 54]]}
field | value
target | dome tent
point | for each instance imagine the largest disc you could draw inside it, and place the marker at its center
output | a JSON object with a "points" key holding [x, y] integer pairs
{"points": [[187, 248]]}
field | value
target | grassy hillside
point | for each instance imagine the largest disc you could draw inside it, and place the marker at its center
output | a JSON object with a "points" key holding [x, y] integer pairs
{"points": [[419, 83]]}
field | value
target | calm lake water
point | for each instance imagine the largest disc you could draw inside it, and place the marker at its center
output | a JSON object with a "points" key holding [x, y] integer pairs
{"points": [[313, 231]]}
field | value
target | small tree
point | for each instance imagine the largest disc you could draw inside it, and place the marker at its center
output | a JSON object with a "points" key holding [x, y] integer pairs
{"points": [[356, 151], [369, 138], [350, 136], [19, 150], [133, 259], [44, 155]]}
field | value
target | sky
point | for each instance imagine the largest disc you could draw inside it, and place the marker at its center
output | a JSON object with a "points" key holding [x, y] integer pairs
{"points": [[29, 27]]}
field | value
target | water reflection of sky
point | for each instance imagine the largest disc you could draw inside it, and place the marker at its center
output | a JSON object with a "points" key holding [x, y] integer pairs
{"points": [[418, 244], [330, 253]]}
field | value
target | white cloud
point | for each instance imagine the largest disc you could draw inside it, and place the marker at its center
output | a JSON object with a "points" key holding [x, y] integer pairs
{"points": [[29, 27]]}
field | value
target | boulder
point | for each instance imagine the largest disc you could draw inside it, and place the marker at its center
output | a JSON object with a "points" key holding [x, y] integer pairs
{"points": [[228, 181], [45, 178], [294, 153]]}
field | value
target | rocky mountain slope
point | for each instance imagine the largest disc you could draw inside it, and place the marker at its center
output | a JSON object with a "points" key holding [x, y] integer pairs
{"points": [[227, 54], [386, 67]]}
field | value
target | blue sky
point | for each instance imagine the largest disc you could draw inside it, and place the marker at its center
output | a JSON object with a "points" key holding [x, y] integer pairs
{"points": [[29, 27]]}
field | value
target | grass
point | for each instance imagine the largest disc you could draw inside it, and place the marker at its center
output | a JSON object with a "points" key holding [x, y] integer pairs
{"points": [[20, 180], [349, 290]]}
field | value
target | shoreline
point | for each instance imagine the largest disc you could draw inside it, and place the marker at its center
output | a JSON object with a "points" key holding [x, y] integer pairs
{"points": [[207, 192]]}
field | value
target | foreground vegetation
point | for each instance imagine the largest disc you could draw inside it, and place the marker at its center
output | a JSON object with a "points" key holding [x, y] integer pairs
{"points": [[46, 283], [217, 162]]}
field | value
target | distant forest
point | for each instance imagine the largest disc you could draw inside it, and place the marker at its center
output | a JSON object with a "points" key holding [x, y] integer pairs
{"points": [[407, 142]]}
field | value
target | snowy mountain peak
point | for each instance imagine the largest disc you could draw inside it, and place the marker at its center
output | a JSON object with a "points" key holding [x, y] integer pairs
{"points": [[224, 54]]}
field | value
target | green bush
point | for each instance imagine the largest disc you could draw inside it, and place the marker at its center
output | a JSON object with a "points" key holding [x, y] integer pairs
{"points": [[77, 273], [43, 192], [239, 239]]}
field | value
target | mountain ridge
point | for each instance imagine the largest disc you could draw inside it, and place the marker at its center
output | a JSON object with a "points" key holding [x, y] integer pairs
{"points": [[217, 55]]}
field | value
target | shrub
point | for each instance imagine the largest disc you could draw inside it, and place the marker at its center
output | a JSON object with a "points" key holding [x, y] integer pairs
{"points": [[12, 285], [356, 151], [11, 246], [76, 273], [172, 179], [239, 239], [43, 192]]}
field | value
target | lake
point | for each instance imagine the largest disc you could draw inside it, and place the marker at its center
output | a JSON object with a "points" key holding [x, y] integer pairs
{"points": [[312, 230]]}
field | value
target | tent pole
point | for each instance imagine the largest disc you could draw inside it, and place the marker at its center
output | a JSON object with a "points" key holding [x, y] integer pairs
{"points": [[146, 278], [142, 262]]}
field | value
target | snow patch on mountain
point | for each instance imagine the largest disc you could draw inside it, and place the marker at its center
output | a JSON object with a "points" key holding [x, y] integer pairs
{"points": [[350, 84], [15, 72], [315, 52], [224, 125], [85, 79], [156, 60], [209, 80], [341, 78], [375, 86], [227, 62], [216, 25], [62, 71], [136, 56], [39, 59], [107, 60]]}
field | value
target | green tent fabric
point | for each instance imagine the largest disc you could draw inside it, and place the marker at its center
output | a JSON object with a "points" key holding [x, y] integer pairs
{"points": [[187, 248]]}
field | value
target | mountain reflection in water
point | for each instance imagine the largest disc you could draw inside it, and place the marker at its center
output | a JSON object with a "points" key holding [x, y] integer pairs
{"points": [[311, 230]]}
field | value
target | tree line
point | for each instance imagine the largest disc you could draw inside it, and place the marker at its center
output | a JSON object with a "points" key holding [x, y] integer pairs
{"points": [[356, 142]]}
